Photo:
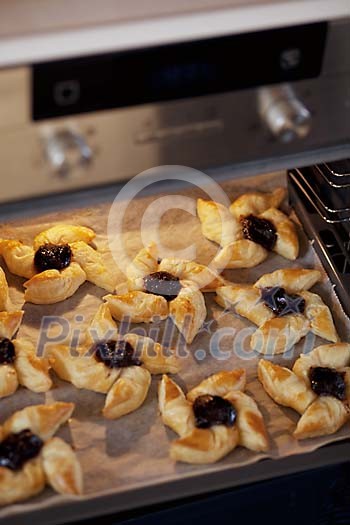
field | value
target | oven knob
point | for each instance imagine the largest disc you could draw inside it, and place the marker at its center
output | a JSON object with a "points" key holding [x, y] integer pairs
{"points": [[283, 114], [66, 150]]}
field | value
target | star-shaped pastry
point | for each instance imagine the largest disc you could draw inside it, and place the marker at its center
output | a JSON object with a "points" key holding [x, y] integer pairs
{"points": [[317, 388], [214, 418], [159, 288], [30, 457], [19, 364], [59, 262], [119, 366], [281, 306], [249, 229]]}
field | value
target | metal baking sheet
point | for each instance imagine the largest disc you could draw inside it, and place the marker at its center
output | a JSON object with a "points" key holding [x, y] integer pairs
{"points": [[126, 462]]}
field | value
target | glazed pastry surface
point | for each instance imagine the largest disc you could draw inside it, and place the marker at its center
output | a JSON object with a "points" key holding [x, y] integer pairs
{"points": [[317, 388], [208, 445], [55, 463]]}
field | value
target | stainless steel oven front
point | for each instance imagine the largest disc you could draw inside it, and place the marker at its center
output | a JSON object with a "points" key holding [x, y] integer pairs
{"points": [[257, 101]]}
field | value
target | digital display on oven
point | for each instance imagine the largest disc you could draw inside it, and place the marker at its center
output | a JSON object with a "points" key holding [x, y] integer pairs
{"points": [[177, 71]]}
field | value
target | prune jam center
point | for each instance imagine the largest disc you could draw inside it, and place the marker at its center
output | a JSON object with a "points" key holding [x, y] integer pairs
{"points": [[52, 257], [7, 352], [162, 283], [213, 410], [260, 231], [327, 382], [282, 303], [16, 449], [116, 354]]}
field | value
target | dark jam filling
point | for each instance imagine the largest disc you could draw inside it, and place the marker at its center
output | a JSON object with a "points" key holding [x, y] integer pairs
{"points": [[327, 382], [52, 257], [260, 231], [16, 449], [116, 354], [213, 410], [282, 303], [162, 283], [7, 352]]}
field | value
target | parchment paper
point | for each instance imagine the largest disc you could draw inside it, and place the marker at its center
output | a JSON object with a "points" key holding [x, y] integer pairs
{"points": [[133, 451]]}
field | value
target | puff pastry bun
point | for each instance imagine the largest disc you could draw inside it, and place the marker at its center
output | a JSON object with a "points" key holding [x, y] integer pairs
{"points": [[279, 331], [186, 307], [242, 245], [19, 364], [10, 319], [22, 367], [50, 284], [125, 384], [54, 463], [207, 445], [317, 388]]}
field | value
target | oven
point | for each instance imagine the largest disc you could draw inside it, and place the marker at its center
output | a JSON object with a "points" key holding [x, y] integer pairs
{"points": [[93, 96]]}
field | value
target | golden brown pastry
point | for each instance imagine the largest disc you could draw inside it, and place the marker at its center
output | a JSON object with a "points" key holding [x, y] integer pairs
{"points": [[10, 319], [318, 388], [285, 387], [279, 334], [4, 291], [102, 327], [9, 323], [220, 384], [62, 468], [319, 316], [172, 288], [335, 355], [256, 202], [51, 460], [282, 308], [139, 307], [147, 262], [153, 355], [83, 371], [59, 262], [217, 222], [64, 234], [22, 485], [205, 278], [287, 243], [250, 422], [19, 365], [246, 300], [128, 393], [32, 371], [188, 311], [205, 445], [18, 257], [326, 415], [53, 286], [293, 280], [42, 420], [119, 366], [93, 265], [144, 263], [8, 380], [240, 237], [207, 432], [240, 254], [175, 409]]}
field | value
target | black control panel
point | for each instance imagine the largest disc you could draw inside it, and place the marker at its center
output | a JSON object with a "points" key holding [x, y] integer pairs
{"points": [[177, 71]]}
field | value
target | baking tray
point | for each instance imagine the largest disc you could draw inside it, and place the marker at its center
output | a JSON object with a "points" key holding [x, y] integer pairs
{"points": [[120, 449]]}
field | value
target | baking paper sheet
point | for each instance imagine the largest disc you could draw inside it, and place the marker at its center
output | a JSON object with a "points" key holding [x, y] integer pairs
{"points": [[133, 451]]}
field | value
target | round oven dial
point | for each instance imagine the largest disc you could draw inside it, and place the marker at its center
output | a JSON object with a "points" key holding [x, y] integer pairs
{"points": [[66, 149], [284, 115]]}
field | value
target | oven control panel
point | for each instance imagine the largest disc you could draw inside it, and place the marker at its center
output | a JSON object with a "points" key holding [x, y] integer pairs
{"points": [[177, 71]]}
